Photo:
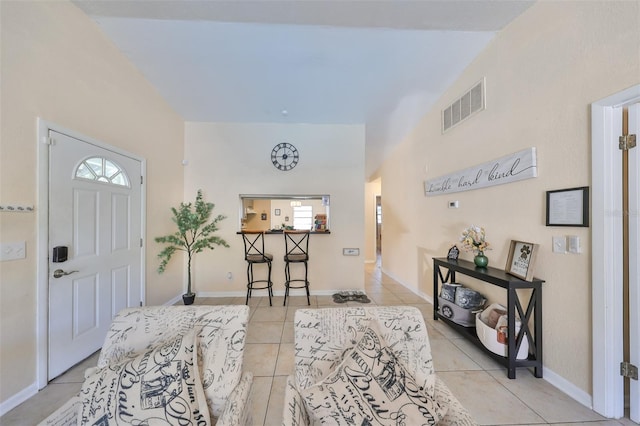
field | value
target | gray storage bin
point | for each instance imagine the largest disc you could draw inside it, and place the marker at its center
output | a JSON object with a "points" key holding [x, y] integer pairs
{"points": [[448, 291], [468, 299], [462, 316]]}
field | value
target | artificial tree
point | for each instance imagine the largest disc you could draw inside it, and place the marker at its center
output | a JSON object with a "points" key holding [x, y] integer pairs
{"points": [[195, 233]]}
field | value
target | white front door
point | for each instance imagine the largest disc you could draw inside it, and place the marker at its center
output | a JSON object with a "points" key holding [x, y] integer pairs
{"points": [[95, 205]]}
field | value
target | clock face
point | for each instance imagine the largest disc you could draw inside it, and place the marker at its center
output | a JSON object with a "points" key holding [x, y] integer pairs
{"points": [[284, 156]]}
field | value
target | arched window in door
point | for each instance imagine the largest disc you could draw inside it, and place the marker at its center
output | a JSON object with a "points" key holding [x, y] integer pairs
{"points": [[102, 170]]}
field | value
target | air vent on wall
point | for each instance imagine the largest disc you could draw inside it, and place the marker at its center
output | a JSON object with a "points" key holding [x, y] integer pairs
{"points": [[464, 107]]}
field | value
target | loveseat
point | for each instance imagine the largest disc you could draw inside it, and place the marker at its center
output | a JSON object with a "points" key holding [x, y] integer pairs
{"points": [[333, 380], [179, 361]]}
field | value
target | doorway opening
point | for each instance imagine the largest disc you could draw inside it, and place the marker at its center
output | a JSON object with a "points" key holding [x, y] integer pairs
{"points": [[378, 229], [608, 319]]}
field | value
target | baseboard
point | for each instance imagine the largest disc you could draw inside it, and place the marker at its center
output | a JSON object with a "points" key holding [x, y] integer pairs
{"points": [[221, 294], [262, 293], [393, 277], [173, 301], [18, 398], [567, 387], [425, 296]]}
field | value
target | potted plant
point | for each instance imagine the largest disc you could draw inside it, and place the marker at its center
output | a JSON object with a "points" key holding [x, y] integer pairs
{"points": [[195, 233]]}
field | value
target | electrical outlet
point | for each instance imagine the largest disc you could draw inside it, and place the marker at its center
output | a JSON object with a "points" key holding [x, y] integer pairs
{"points": [[229, 276], [12, 251], [351, 252]]}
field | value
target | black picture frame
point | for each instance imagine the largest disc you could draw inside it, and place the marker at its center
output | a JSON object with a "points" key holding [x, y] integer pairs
{"points": [[568, 207]]}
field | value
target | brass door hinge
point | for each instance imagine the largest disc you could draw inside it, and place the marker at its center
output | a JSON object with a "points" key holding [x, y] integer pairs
{"points": [[628, 370], [626, 142]]}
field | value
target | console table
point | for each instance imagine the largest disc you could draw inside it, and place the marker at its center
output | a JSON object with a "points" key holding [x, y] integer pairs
{"points": [[499, 278]]}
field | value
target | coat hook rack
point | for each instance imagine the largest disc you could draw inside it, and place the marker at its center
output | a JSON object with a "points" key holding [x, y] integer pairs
{"points": [[16, 208]]}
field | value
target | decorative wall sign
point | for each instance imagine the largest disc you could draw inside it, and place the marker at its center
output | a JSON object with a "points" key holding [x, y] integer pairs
{"points": [[511, 168], [453, 253], [521, 258]]}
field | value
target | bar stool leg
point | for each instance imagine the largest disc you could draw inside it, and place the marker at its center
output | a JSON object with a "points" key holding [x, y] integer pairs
{"points": [[249, 281], [306, 282], [286, 283], [269, 283]]}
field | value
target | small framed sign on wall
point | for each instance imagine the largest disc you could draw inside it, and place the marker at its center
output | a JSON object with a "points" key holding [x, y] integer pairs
{"points": [[521, 259], [568, 207]]}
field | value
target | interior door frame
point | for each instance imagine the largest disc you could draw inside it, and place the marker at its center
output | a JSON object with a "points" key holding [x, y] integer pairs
{"points": [[378, 225], [606, 261], [42, 255]]}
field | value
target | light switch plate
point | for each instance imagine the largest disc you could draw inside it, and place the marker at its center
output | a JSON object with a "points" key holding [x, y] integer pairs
{"points": [[351, 252], [573, 241], [12, 251], [559, 244]]}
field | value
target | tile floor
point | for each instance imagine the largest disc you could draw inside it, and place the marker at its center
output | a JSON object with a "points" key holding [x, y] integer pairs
{"points": [[479, 383]]}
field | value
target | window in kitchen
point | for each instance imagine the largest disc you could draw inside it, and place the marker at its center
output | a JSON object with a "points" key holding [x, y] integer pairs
{"points": [[303, 217]]}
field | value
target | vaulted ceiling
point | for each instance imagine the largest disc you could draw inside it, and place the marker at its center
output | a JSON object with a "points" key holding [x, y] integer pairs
{"points": [[379, 63]]}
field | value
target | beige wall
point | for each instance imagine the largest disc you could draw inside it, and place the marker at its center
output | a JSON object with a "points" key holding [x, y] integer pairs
{"points": [[226, 160], [57, 65], [255, 222], [542, 74]]}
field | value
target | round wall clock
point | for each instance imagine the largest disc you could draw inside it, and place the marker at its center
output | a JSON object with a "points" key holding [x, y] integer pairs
{"points": [[284, 156]]}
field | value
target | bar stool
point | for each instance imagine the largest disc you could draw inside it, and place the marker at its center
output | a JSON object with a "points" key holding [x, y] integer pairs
{"points": [[296, 244], [254, 254]]}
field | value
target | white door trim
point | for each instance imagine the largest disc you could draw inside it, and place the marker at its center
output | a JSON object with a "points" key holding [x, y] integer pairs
{"points": [[606, 261], [42, 263]]}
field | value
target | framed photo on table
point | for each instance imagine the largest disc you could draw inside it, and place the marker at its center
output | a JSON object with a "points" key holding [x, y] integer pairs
{"points": [[568, 207], [521, 259]]}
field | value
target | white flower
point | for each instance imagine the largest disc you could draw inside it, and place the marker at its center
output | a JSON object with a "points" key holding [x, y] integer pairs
{"points": [[473, 239]]}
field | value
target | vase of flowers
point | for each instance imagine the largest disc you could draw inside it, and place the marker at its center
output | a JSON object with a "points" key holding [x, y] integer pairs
{"points": [[473, 239]]}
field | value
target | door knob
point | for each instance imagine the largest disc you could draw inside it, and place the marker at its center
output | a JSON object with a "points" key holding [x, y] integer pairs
{"points": [[60, 273]]}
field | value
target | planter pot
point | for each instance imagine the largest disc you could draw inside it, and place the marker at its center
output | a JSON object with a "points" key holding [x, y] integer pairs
{"points": [[188, 299]]}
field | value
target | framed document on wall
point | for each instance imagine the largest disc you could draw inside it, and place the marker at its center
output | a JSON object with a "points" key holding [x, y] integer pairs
{"points": [[568, 207]]}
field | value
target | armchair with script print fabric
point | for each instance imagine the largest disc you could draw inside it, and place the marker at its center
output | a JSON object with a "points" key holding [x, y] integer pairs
{"points": [[340, 351], [219, 334]]}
